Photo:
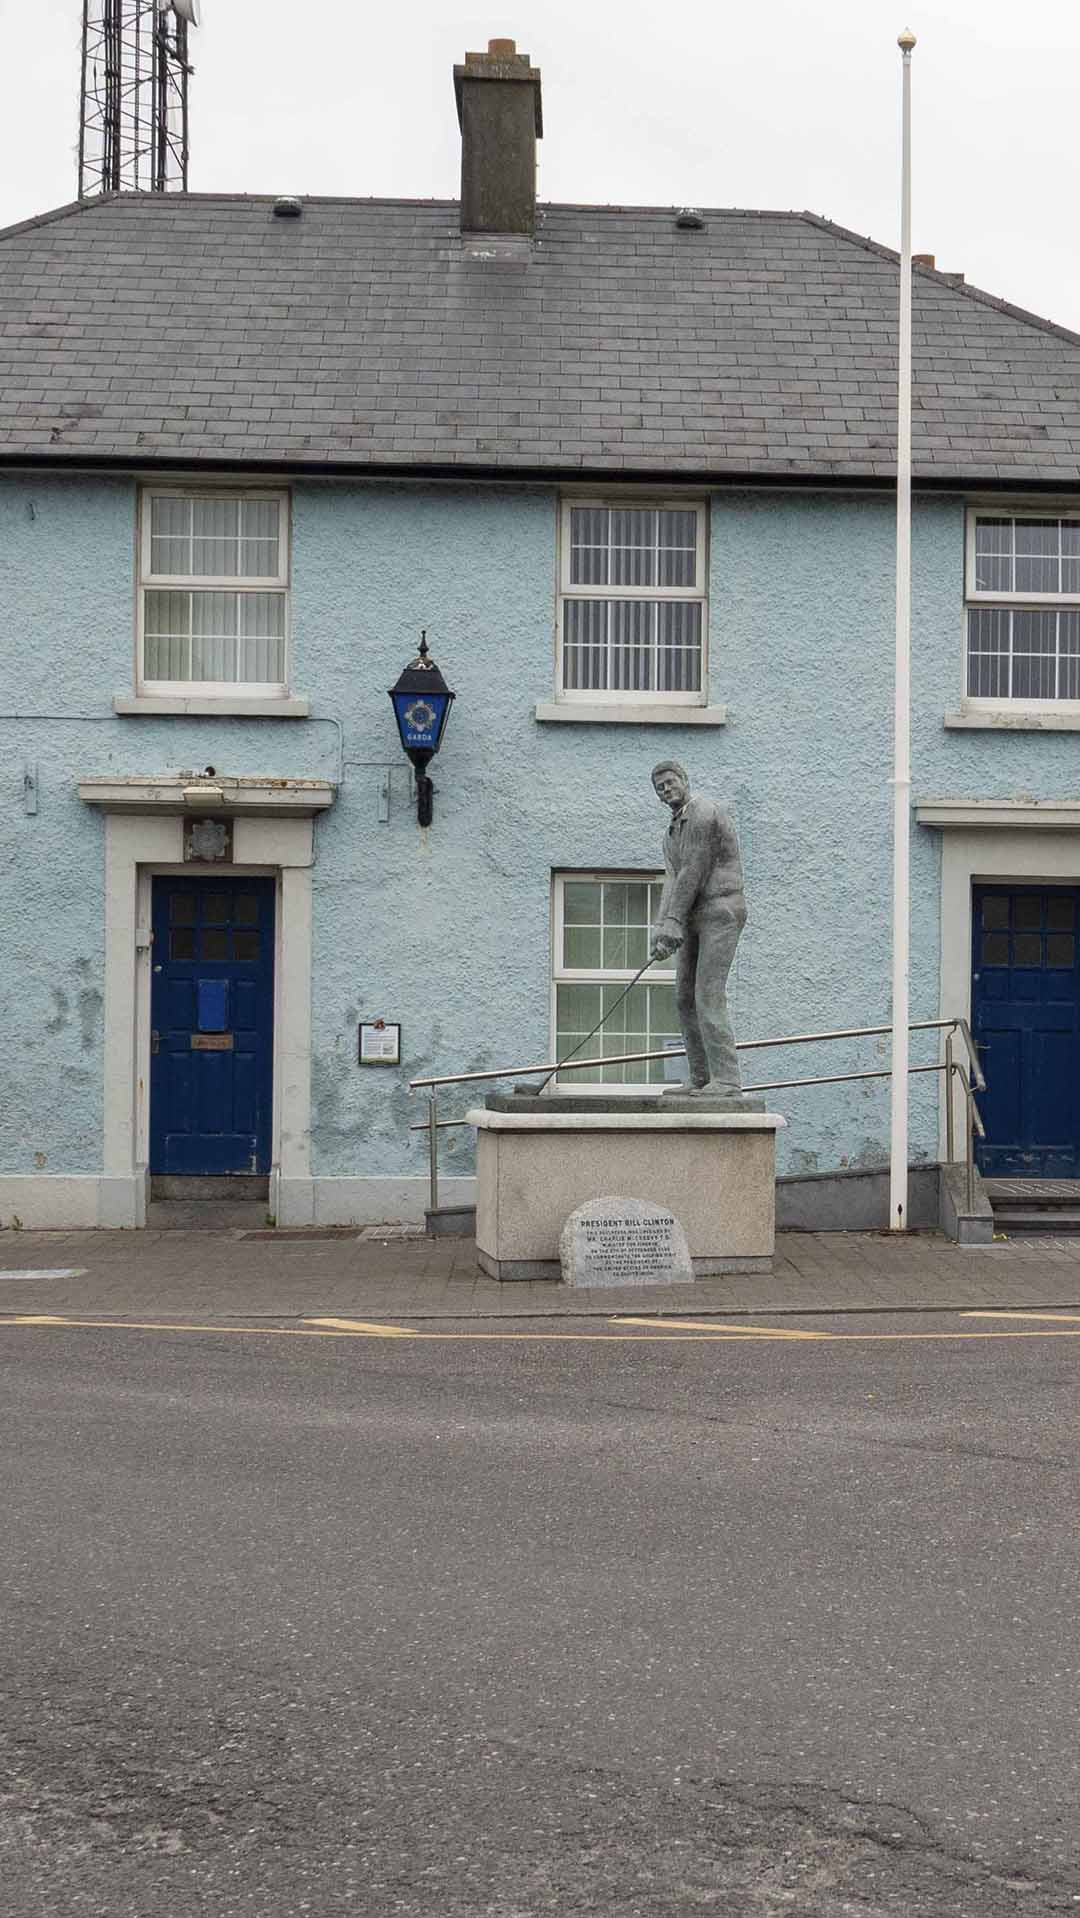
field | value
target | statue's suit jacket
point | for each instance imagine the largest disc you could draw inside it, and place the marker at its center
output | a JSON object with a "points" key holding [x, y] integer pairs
{"points": [[704, 872]]}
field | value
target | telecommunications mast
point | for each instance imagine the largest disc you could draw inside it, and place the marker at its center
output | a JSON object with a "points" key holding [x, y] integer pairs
{"points": [[133, 122]]}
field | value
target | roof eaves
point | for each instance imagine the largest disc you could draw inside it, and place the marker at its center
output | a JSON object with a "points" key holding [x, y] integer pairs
{"points": [[831, 477]]}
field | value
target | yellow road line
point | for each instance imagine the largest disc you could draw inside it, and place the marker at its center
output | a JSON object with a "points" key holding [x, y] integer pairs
{"points": [[713, 1325], [364, 1325], [46, 1272], [939, 1338], [320, 1330], [1063, 1318]]}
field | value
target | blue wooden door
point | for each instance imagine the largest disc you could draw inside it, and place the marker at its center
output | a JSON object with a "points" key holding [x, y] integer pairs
{"points": [[212, 1012], [1026, 1019]]}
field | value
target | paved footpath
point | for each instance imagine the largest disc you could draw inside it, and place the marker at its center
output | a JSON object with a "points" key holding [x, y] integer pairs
{"points": [[393, 1271]]}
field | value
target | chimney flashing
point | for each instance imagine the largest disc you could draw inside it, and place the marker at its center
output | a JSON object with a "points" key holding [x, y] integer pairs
{"points": [[498, 249]]}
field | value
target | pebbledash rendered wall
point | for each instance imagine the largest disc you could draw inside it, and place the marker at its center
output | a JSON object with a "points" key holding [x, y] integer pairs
{"points": [[449, 933]]}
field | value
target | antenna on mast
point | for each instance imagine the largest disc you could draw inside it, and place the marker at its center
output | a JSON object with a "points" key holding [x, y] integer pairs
{"points": [[133, 120]]}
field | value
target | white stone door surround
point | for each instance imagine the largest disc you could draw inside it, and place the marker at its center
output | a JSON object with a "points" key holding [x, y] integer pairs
{"points": [[1000, 840], [144, 836]]}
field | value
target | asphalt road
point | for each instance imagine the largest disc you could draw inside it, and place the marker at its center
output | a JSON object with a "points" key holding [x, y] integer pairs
{"points": [[508, 1626]]}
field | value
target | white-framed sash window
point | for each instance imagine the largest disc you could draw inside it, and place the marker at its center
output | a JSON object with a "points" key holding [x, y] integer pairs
{"points": [[632, 613], [1022, 610], [213, 591], [602, 927]]}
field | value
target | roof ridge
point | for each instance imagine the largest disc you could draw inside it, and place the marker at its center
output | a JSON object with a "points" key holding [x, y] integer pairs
{"points": [[55, 213], [667, 206], [145, 197], [977, 293]]}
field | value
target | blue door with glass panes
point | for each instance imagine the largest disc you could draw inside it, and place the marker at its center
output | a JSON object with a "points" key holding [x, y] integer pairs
{"points": [[211, 1013], [1025, 1015]]}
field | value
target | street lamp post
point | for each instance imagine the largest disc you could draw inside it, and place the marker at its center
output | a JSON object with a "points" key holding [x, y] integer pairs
{"points": [[901, 780]]}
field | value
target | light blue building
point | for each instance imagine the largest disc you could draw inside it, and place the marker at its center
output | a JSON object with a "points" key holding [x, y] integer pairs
{"points": [[631, 472]]}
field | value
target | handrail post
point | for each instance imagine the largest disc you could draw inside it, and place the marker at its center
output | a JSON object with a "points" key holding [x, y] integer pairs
{"points": [[978, 1082], [950, 1130], [970, 1152], [433, 1150]]}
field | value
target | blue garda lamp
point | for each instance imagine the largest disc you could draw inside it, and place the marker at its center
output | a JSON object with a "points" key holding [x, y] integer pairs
{"points": [[422, 700]]}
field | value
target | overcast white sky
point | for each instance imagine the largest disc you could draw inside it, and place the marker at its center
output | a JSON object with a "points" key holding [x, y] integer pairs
{"points": [[777, 103]]}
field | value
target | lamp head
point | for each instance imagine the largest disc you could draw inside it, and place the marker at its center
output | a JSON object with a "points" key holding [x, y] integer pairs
{"points": [[421, 700]]}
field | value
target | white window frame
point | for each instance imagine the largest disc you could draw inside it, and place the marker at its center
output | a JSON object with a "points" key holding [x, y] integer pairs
{"points": [[567, 589], [597, 975], [148, 581], [995, 509]]}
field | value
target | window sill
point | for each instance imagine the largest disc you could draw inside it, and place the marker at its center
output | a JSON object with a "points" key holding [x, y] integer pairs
{"points": [[229, 705], [1026, 719], [568, 712]]}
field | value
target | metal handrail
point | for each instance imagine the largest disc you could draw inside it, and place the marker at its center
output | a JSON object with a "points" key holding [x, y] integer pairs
{"points": [[971, 1080], [974, 1124], [769, 1085], [679, 1052], [977, 1079]]}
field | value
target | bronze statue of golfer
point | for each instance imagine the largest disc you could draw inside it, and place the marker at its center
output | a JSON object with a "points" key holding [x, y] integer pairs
{"points": [[702, 913]]}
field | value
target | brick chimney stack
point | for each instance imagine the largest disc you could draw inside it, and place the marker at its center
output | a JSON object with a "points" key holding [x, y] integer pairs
{"points": [[498, 103]]}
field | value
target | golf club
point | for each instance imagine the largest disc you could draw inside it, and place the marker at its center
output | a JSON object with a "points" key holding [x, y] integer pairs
{"points": [[533, 1092]]}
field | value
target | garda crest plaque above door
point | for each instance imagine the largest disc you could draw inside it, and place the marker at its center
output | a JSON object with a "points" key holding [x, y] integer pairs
{"points": [[210, 841]]}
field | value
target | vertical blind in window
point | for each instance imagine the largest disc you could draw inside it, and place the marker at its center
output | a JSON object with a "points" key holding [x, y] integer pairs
{"points": [[1027, 555], [622, 630], [215, 630], [605, 930], [1018, 654], [1016, 651]]}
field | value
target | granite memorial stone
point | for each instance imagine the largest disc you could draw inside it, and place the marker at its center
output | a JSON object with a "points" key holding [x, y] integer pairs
{"points": [[617, 1241]]}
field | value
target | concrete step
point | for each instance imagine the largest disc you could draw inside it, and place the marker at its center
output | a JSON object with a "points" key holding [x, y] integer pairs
{"points": [[232, 1185], [1029, 1193], [1037, 1218], [450, 1222], [1022, 1203], [205, 1215]]}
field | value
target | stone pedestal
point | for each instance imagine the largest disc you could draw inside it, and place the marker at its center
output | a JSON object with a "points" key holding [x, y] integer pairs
{"points": [[714, 1170]]}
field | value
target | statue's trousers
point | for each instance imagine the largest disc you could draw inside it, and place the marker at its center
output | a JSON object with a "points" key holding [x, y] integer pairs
{"points": [[702, 966]]}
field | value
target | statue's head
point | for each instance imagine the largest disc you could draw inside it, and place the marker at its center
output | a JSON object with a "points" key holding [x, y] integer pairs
{"points": [[671, 784]]}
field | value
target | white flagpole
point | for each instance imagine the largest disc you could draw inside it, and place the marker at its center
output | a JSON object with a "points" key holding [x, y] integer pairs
{"points": [[901, 781]]}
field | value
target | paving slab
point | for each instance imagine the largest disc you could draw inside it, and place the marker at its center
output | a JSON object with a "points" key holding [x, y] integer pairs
{"points": [[391, 1272]]}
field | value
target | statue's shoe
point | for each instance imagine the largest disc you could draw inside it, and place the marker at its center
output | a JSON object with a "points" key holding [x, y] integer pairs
{"points": [[712, 1089], [686, 1089]]}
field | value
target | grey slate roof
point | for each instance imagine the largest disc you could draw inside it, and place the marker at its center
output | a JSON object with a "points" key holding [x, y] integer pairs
{"points": [[194, 328]]}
